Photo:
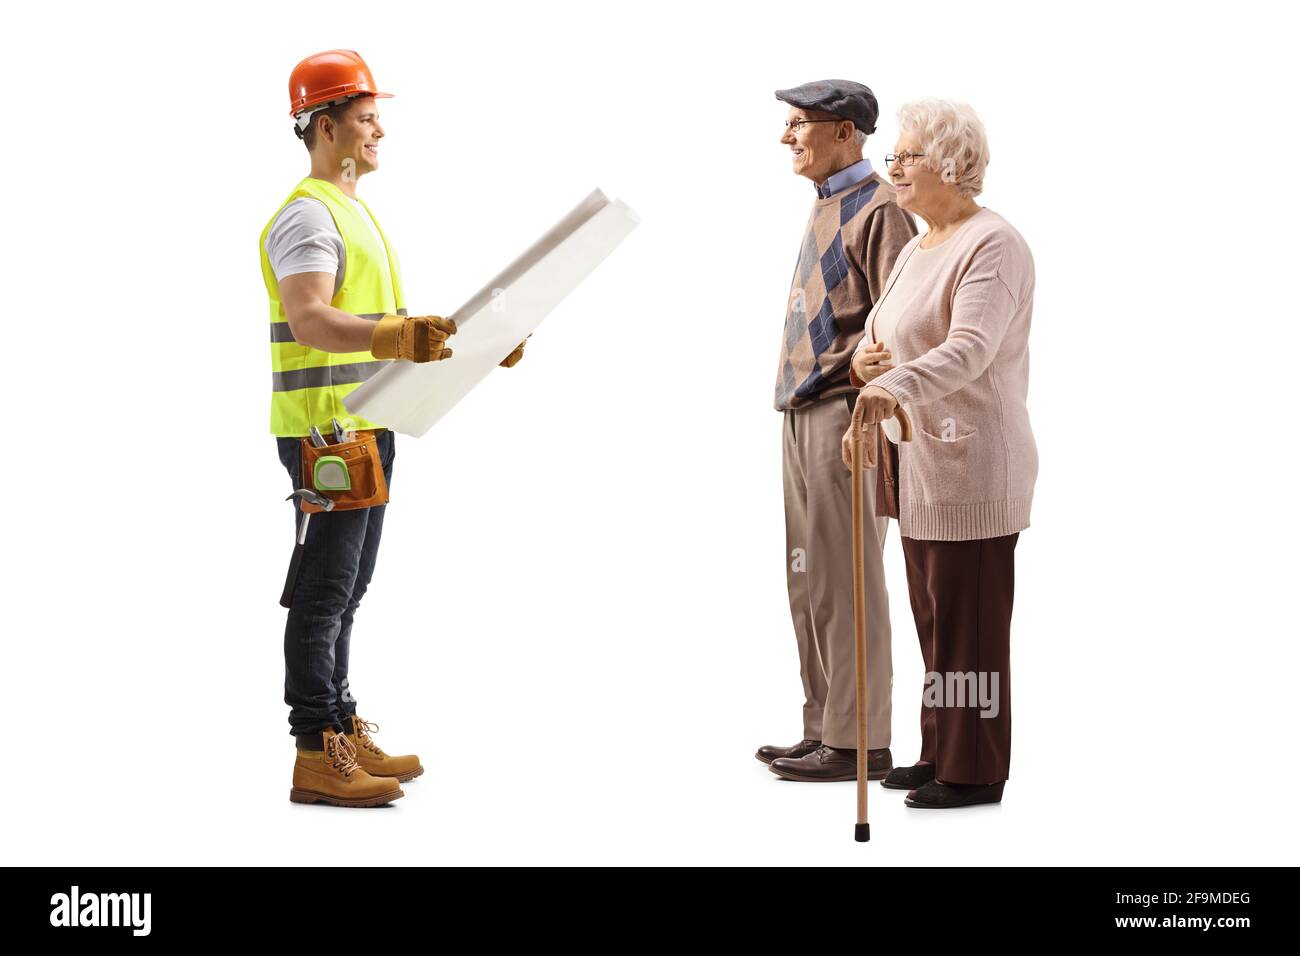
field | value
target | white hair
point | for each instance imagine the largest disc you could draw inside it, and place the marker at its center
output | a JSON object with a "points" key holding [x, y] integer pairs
{"points": [[953, 140], [859, 137]]}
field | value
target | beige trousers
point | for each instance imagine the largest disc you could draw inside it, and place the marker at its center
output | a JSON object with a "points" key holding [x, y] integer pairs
{"points": [[819, 570]]}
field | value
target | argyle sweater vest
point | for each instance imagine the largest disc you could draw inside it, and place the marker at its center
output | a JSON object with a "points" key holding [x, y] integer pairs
{"points": [[849, 248]]}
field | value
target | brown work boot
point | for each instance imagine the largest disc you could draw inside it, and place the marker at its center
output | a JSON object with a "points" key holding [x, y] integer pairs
{"points": [[332, 775], [372, 759]]}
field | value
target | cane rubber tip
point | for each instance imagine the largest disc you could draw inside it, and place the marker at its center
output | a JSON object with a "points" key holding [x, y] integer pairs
{"points": [[862, 832]]}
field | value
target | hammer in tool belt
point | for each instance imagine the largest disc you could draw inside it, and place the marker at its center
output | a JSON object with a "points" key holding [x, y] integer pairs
{"points": [[320, 501]]}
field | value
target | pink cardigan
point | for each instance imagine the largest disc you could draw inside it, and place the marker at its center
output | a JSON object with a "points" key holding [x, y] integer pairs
{"points": [[962, 350]]}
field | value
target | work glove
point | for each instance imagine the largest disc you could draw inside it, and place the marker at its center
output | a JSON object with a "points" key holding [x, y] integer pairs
{"points": [[513, 358], [416, 338]]}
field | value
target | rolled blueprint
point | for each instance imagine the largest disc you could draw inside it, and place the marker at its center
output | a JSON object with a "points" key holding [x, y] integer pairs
{"points": [[411, 397]]}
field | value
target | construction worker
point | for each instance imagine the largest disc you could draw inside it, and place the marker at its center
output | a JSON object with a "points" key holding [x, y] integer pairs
{"points": [[338, 315]]}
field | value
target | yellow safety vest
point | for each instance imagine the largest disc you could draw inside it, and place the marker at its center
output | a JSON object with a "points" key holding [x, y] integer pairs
{"points": [[307, 385]]}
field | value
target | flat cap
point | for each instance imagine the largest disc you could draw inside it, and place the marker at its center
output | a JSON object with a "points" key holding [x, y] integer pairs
{"points": [[844, 98]]}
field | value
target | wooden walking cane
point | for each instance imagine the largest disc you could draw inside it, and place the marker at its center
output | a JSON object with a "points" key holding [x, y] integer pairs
{"points": [[869, 435]]}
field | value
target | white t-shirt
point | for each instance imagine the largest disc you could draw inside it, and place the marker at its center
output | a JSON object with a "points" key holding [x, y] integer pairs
{"points": [[303, 238]]}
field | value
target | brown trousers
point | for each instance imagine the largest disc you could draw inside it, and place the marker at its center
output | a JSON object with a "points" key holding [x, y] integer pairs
{"points": [[961, 599], [819, 574]]}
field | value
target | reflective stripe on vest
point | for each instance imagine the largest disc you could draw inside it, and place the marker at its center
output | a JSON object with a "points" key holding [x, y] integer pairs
{"points": [[308, 385]]}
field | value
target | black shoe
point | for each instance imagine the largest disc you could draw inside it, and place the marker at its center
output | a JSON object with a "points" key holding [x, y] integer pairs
{"points": [[770, 752], [943, 796], [828, 764], [909, 778]]}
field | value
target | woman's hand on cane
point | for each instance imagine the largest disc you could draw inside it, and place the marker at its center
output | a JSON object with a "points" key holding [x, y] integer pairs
{"points": [[874, 405]]}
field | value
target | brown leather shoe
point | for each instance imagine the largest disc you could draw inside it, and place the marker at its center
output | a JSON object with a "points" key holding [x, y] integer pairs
{"points": [[372, 759], [827, 764], [332, 775], [769, 752]]}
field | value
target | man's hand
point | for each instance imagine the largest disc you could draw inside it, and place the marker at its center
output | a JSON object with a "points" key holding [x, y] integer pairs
{"points": [[416, 338], [874, 405], [870, 362], [511, 360]]}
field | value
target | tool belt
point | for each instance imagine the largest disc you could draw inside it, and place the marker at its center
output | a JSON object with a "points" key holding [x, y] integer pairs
{"points": [[350, 473]]}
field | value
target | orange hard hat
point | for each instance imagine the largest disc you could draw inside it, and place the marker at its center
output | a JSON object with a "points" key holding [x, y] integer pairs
{"points": [[329, 77]]}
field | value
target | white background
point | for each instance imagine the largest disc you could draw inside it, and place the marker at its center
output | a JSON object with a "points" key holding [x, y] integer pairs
{"points": [[579, 617]]}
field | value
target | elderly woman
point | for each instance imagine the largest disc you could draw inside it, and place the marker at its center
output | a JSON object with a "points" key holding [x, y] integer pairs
{"points": [[948, 341]]}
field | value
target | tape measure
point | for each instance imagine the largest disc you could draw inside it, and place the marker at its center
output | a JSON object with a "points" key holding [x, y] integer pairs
{"points": [[330, 473]]}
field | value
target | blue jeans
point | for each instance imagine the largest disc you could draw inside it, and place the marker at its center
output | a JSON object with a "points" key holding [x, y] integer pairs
{"points": [[338, 560]]}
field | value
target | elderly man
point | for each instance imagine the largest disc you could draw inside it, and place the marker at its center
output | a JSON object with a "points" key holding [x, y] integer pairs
{"points": [[853, 236]]}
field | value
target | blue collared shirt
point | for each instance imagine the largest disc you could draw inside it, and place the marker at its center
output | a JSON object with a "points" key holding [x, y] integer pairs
{"points": [[846, 177]]}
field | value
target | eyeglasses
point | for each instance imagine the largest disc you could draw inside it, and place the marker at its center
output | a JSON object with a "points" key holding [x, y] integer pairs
{"points": [[905, 158], [795, 125]]}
